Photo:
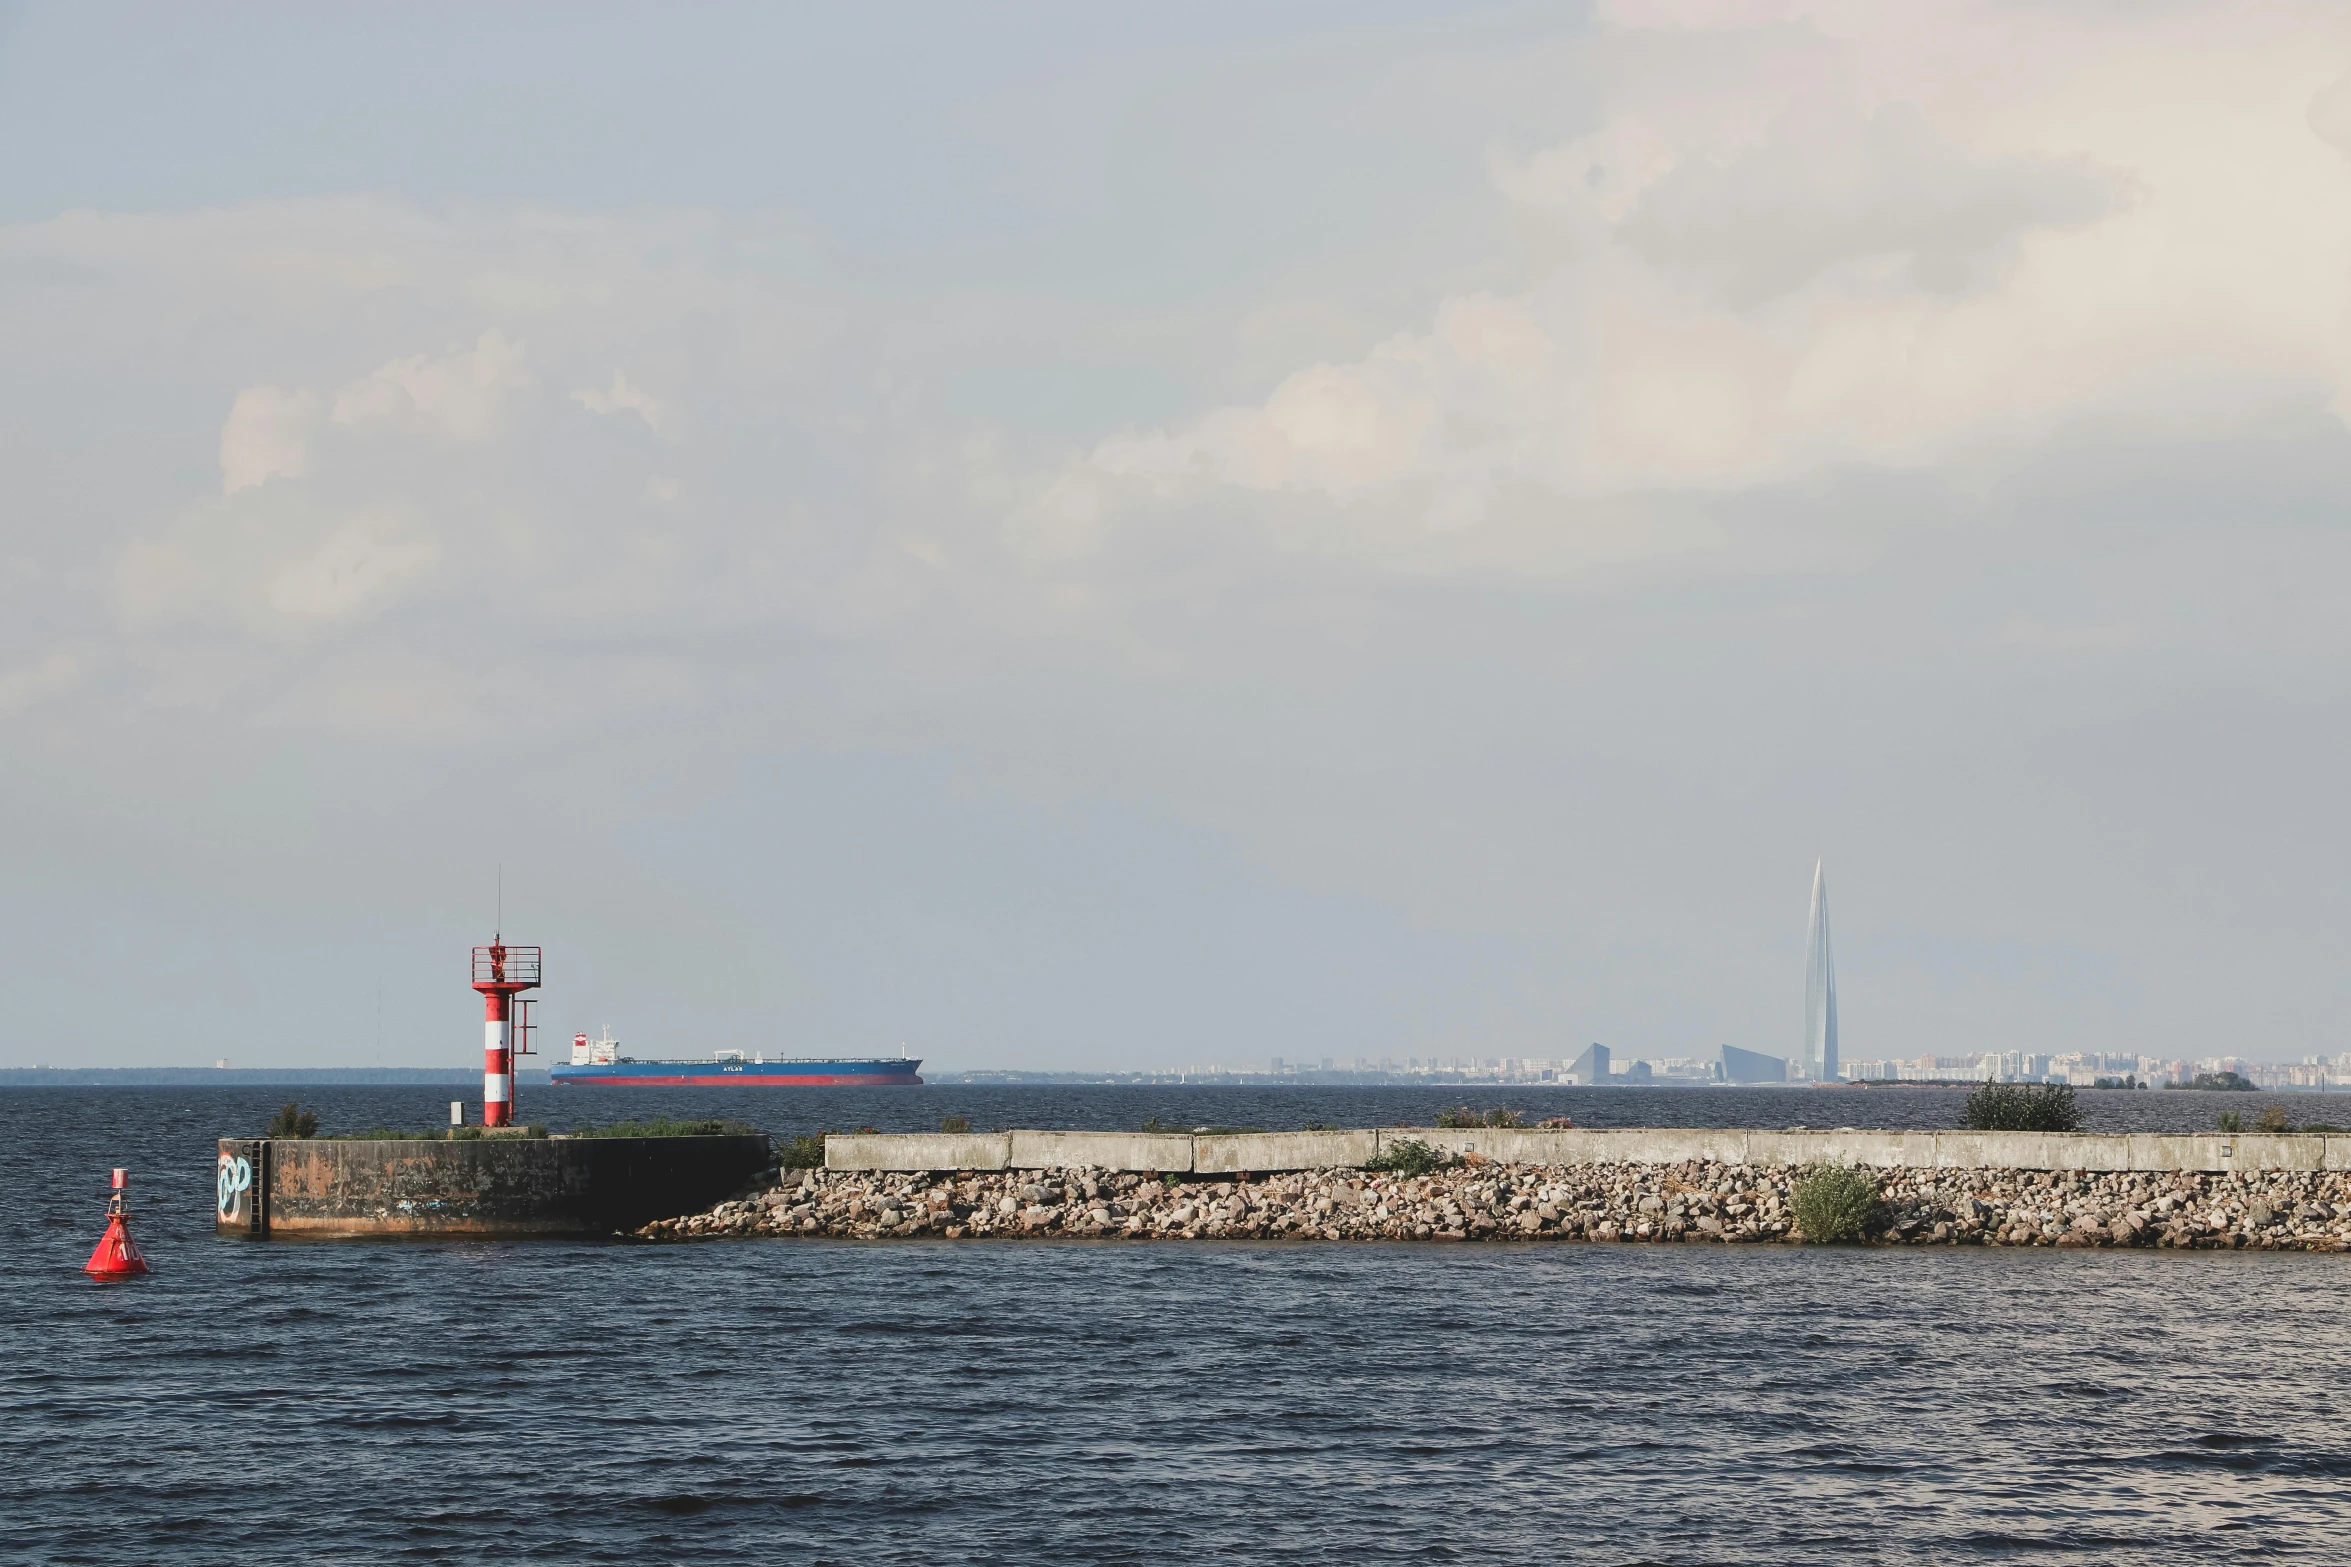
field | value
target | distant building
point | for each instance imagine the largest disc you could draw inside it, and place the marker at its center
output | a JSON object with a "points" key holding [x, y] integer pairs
{"points": [[1637, 1073], [1819, 1062], [1591, 1067], [1752, 1066]]}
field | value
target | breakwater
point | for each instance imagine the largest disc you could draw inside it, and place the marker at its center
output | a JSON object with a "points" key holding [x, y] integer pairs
{"points": [[2270, 1192], [504, 1186], [1692, 1202]]}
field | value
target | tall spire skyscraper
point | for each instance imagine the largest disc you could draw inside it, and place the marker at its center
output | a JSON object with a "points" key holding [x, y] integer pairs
{"points": [[1820, 989]]}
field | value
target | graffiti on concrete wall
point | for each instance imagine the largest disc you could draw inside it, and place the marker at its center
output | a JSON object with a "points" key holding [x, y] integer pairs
{"points": [[236, 1178]]}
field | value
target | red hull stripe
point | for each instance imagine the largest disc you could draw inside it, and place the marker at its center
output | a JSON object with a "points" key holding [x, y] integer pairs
{"points": [[748, 1080]]}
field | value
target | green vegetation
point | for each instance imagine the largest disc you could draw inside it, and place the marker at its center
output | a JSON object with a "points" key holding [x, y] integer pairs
{"points": [[2022, 1107], [955, 1123], [1834, 1202], [2229, 1121], [293, 1121], [2224, 1082], [1462, 1117], [1151, 1125], [663, 1127], [803, 1153], [1410, 1156], [2273, 1119], [453, 1134]]}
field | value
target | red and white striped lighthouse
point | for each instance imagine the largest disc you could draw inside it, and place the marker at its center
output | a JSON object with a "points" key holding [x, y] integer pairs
{"points": [[502, 973]]}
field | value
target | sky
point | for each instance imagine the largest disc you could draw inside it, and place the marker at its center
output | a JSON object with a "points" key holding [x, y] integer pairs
{"points": [[1096, 538]]}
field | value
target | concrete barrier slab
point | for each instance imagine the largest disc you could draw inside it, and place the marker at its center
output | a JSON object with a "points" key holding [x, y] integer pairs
{"points": [[1226, 1153], [2182, 1151], [2083, 1150], [1162, 1151], [1963, 1150], [1883, 1150], [2278, 1151], [1794, 1148], [1625, 1145], [919, 1151]]}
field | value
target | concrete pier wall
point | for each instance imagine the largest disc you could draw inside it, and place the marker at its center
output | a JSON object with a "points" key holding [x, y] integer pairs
{"points": [[1232, 1153], [485, 1186]]}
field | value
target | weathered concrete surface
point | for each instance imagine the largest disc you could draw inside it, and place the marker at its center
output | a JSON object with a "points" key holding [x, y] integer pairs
{"points": [[1226, 1153], [1220, 1153], [484, 1186], [919, 1151], [1168, 1151]]}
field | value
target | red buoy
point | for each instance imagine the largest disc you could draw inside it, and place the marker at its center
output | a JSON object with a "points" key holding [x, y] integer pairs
{"points": [[117, 1256]]}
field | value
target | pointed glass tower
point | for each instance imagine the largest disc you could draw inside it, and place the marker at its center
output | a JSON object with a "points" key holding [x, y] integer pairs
{"points": [[1819, 1063]]}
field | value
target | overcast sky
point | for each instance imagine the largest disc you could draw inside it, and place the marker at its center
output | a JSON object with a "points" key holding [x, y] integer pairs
{"points": [[1109, 536]]}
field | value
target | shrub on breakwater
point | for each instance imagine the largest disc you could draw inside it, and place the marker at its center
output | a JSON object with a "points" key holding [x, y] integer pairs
{"points": [[661, 1126], [1409, 1156], [2228, 1121], [802, 1153], [293, 1121], [1834, 1202], [1464, 1117], [955, 1123], [2022, 1107]]}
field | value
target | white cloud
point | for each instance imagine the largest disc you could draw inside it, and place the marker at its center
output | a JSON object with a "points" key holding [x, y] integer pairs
{"points": [[1832, 242], [266, 436], [459, 396], [623, 397], [47, 676], [360, 565], [275, 571]]}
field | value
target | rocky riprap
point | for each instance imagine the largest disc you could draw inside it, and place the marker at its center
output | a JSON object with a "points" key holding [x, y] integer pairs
{"points": [[2273, 1211]]}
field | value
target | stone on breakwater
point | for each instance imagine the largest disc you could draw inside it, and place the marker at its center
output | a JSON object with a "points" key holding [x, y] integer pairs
{"points": [[1694, 1201]]}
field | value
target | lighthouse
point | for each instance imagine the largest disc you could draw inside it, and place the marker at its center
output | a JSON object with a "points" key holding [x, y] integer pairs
{"points": [[502, 973]]}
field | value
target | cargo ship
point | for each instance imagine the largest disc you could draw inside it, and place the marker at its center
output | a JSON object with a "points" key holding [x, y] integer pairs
{"points": [[599, 1061]]}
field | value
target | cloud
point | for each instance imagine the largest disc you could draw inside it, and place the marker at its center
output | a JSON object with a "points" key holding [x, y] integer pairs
{"points": [[266, 436], [1800, 240], [458, 396], [47, 676], [280, 570], [2330, 116], [622, 398], [1881, 194]]}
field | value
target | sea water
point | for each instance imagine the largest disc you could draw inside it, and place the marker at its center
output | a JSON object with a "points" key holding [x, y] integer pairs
{"points": [[930, 1401]]}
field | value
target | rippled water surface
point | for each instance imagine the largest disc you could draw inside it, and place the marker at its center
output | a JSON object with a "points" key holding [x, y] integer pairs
{"points": [[802, 1401]]}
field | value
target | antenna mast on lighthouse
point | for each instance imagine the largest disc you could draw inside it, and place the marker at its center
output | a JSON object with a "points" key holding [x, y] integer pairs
{"points": [[502, 973]]}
